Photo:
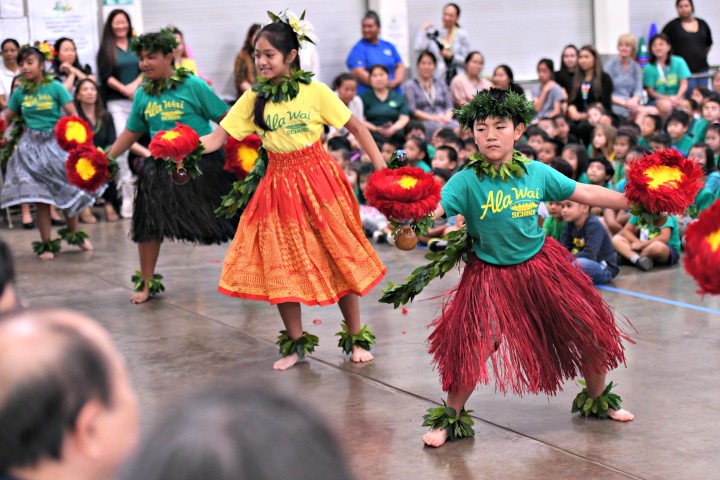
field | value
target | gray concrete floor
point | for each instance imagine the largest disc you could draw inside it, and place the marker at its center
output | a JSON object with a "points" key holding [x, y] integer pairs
{"points": [[193, 335]]}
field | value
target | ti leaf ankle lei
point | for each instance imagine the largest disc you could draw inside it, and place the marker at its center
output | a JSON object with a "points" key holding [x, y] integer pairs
{"points": [[363, 339], [52, 246], [285, 90], [302, 346], [30, 88], [596, 407], [73, 238], [515, 168], [155, 284], [158, 87], [447, 418]]}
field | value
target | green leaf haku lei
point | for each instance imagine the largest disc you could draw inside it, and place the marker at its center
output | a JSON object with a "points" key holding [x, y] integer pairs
{"points": [[284, 90], [243, 190], [446, 418], [18, 129], [363, 339], [495, 103], [155, 284], [30, 88], [158, 87], [302, 346], [596, 407], [515, 168]]}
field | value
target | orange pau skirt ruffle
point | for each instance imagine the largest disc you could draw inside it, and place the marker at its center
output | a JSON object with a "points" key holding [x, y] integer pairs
{"points": [[300, 238]]}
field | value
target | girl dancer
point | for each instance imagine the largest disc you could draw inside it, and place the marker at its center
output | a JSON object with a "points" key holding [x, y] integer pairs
{"points": [[520, 302], [36, 170], [162, 209], [300, 239]]}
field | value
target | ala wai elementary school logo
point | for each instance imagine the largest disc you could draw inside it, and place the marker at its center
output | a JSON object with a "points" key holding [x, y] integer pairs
{"points": [[523, 202]]}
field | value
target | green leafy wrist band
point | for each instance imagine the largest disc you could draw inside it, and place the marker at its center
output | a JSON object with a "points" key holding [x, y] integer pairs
{"points": [[596, 407], [73, 238], [446, 418], [52, 246], [363, 339], [154, 285], [302, 346]]}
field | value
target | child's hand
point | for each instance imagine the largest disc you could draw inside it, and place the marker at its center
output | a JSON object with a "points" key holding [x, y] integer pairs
{"points": [[637, 245]]}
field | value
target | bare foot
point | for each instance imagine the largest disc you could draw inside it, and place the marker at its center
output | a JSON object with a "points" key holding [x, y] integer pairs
{"points": [[86, 246], [621, 415], [46, 256], [435, 438], [110, 214], [286, 362], [86, 216], [360, 355], [140, 297]]}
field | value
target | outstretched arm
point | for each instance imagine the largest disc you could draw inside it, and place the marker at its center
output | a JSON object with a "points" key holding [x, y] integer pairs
{"points": [[126, 139], [214, 140], [598, 196]]}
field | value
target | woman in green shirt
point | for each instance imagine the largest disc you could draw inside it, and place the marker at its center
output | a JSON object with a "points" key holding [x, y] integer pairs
{"points": [[36, 170]]}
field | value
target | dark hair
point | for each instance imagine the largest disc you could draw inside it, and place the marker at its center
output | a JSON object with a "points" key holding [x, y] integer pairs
{"points": [[709, 166], [534, 130], [692, 5], [715, 127], [451, 152], [339, 143], [39, 409], [557, 144], [580, 77], [248, 44], [713, 97], [679, 116], [469, 56], [28, 51], [443, 173], [508, 71], [447, 134], [526, 150], [549, 64], [340, 79], [562, 166], [7, 266], [609, 169], [470, 142], [639, 149], [107, 54], [627, 133], [378, 66], [426, 53], [282, 37], [583, 159], [657, 120], [371, 15], [364, 168], [662, 138], [414, 125], [56, 59], [455, 6], [563, 68], [99, 107], [390, 141], [10, 40], [223, 433], [660, 36], [421, 144]]}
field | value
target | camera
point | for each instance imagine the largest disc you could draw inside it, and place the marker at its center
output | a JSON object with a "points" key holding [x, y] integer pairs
{"points": [[433, 35]]}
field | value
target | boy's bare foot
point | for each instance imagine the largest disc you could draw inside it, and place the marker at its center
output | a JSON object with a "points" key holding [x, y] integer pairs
{"points": [[141, 297], [46, 256], [435, 438], [86, 246], [286, 362], [360, 355], [621, 415]]}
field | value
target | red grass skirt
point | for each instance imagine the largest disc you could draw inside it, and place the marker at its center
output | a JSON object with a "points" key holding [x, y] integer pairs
{"points": [[300, 238], [544, 316]]}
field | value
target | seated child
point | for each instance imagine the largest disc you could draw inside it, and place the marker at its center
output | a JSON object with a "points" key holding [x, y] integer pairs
{"points": [[624, 141], [677, 128], [441, 226], [527, 151], [470, 147], [577, 157], [712, 139], [710, 115], [603, 140], [417, 154], [660, 141], [550, 149], [374, 223], [649, 246], [446, 158], [535, 137], [388, 147], [550, 212], [600, 171], [562, 129], [589, 242], [650, 126], [548, 125]]}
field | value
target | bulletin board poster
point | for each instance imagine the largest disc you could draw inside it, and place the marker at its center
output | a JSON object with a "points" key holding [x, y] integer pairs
{"points": [[75, 19]]}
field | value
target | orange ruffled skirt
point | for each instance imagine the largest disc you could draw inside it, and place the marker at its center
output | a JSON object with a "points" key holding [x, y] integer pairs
{"points": [[300, 238]]}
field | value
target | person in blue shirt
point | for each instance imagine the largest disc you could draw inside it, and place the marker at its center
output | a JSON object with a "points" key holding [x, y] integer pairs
{"points": [[372, 50]]}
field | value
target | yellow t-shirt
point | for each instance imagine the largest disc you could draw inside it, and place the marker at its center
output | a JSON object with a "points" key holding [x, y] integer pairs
{"points": [[190, 64], [295, 124]]}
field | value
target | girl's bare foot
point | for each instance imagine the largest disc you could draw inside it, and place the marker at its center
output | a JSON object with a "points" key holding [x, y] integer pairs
{"points": [[141, 297], [360, 355], [286, 362], [435, 438], [86, 216], [621, 415], [86, 246], [110, 214], [46, 256]]}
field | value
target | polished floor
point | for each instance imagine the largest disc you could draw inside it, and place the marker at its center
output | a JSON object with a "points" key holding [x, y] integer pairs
{"points": [[191, 335]]}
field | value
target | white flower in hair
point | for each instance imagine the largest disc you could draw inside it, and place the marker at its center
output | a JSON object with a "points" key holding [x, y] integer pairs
{"points": [[302, 28]]}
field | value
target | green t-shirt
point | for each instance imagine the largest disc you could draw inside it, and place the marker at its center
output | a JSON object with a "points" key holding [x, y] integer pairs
{"points": [[583, 178], [40, 110], [125, 70], [424, 166], [669, 82], [502, 217], [191, 103], [684, 145], [380, 112], [698, 130], [703, 200], [649, 232], [553, 227]]}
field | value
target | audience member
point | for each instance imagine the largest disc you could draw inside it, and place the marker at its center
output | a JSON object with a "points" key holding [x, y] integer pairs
{"points": [[66, 65], [665, 77], [590, 85], [181, 57], [345, 87], [578, 159], [371, 51], [568, 67], [650, 126], [449, 44], [627, 81], [660, 141], [548, 94], [504, 79], [562, 130], [244, 67], [386, 113], [600, 171], [417, 154], [9, 68], [535, 137], [677, 128], [446, 158], [710, 115], [603, 140], [712, 138], [715, 83], [649, 246], [466, 84]]}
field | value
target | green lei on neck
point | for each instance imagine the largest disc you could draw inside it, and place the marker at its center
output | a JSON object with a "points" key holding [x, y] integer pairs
{"points": [[29, 87], [287, 89], [158, 87], [515, 168]]}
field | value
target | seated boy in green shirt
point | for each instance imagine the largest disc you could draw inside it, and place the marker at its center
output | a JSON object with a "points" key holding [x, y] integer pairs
{"points": [[677, 128]]}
